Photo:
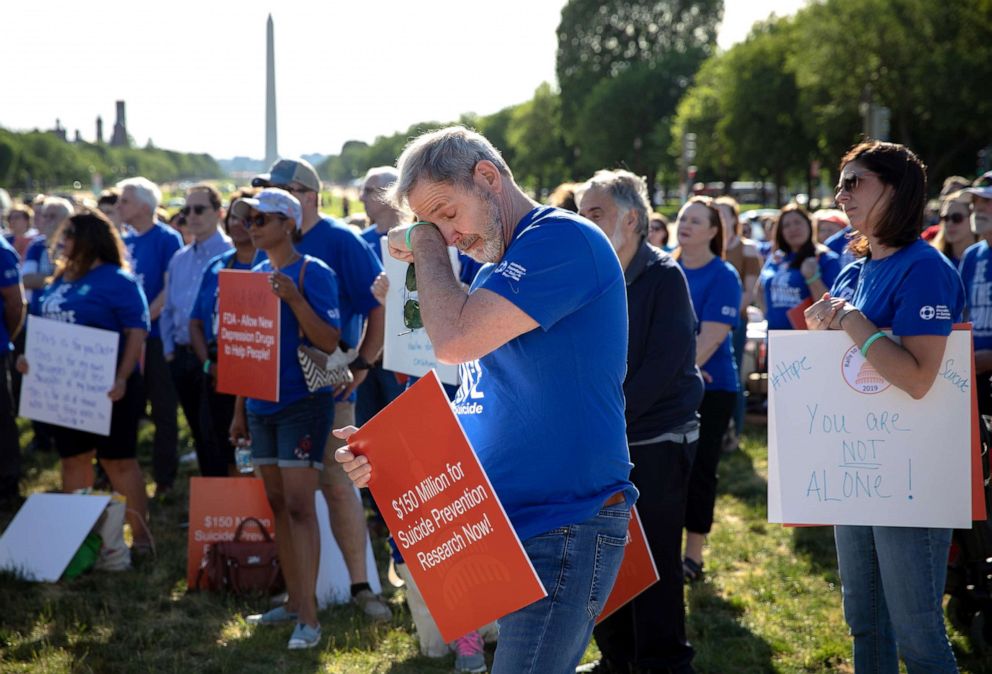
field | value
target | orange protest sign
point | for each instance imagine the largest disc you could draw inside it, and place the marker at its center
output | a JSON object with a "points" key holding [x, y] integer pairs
{"points": [[217, 505], [247, 336], [637, 572], [445, 517]]}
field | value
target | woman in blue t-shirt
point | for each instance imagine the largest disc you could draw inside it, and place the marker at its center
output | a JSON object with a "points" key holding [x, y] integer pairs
{"points": [[288, 436], [797, 270], [893, 577], [716, 292], [92, 287]]}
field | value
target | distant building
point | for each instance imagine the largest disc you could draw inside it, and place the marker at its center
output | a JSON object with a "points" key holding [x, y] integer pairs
{"points": [[78, 138], [271, 141], [59, 130], [119, 137], [99, 130]]}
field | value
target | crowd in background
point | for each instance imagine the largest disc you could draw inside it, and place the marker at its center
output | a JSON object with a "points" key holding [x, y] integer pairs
{"points": [[123, 263]]}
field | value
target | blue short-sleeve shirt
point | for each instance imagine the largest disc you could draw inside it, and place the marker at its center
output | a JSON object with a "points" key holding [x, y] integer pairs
{"points": [[914, 291], [320, 289], [105, 297], [150, 254], [545, 411], [785, 288], [716, 296], [976, 273], [10, 275]]}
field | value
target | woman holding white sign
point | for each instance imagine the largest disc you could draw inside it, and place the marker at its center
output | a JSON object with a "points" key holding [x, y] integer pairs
{"points": [[92, 287], [893, 577], [288, 436]]}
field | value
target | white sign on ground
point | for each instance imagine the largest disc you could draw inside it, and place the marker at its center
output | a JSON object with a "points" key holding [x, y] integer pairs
{"points": [[71, 369], [847, 447], [407, 348], [46, 532]]}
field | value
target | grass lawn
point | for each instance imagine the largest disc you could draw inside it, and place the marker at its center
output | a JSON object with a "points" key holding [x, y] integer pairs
{"points": [[770, 603]]}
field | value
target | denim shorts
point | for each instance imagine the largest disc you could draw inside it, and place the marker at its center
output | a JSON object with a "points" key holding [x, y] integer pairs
{"points": [[293, 437]]}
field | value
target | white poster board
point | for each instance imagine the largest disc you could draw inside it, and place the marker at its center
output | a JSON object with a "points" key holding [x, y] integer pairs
{"points": [[46, 532], [407, 350], [847, 447], [333, 581], [71, 370]]}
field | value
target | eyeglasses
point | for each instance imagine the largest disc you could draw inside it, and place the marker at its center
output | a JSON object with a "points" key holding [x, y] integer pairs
{"points": [[851, 182], [198, 209], [411, 307], [260, 220], [955, 218]]}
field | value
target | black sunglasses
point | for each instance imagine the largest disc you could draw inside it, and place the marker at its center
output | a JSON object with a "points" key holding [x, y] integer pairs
{"points": [[259, 220], [956, 218], [198, 209], [851, 182]]}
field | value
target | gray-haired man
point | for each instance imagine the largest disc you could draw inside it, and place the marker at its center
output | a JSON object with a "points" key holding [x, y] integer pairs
{"points": [[663, 389], [542, 342]]}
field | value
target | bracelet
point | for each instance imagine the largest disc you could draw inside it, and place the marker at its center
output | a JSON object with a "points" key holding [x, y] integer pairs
{"points": [[409, 231], [814, 278], [206, 366], [871, 340]]}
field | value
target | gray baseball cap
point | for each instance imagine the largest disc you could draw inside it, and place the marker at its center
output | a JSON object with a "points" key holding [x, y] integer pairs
{"points": [[286, 171], [982, 186]]}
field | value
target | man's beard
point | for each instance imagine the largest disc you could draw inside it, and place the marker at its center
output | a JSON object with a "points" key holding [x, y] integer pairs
{"points": [[493, 244], [981, 223]]}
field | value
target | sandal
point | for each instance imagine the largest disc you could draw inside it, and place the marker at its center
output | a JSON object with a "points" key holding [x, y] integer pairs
{"points": [[692, 571]]}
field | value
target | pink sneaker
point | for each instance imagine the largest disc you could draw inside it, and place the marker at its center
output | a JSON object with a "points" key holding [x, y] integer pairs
{"points": [[469, 653]]}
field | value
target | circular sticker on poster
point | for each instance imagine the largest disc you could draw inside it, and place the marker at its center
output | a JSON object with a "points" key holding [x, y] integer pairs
{"points": [[860, 374]]}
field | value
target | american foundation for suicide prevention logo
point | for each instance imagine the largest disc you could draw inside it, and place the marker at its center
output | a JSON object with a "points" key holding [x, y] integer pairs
{"points": [[860, 374]]}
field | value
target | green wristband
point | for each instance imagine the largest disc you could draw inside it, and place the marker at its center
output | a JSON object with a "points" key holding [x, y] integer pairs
{"points": [[410, 231], [814, 278], [206, 366], [871, 340]]}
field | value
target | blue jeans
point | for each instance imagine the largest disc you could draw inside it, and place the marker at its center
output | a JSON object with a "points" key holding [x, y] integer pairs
{"points": [[893, 581], [578, 565], [295, 436]]}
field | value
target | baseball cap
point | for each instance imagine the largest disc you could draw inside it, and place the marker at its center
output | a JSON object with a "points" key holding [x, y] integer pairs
{"points": [[271, 200], [286, 171], [982, 186]]}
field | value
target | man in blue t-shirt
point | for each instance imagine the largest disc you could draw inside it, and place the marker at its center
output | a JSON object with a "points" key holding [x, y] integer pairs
{"points": [[11, 321], [150, 246], [541, 339], [976, 273], [362, 324]]}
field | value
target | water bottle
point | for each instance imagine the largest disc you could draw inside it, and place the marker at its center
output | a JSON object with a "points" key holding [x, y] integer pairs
{"points": [[242, 457]]}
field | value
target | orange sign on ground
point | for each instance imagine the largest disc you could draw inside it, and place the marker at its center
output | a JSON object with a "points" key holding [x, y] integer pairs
{"points": [[247, 336], [445, 517], [637, 572], [217, 505]]}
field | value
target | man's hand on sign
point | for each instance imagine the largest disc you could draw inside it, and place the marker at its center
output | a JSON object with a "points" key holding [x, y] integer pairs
{"points": [[283, 287], [357, 467]]}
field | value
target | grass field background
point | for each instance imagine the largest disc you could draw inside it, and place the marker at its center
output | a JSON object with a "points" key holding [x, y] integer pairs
{"points": [[770, 603]]}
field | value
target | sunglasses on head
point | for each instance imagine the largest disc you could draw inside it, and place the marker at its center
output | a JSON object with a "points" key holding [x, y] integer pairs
{"points": [[198, 209], [851, 182], [956, 218]]}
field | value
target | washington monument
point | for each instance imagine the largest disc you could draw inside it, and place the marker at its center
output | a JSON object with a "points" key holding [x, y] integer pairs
{"points": [[271, 144]]}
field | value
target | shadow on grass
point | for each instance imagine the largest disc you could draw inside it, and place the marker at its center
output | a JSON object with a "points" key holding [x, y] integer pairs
{"points": [[739, 479], [722, 642], [816, 546]]}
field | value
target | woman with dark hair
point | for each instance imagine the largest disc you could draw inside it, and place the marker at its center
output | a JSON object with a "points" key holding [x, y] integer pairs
{"points": [[715, 288], [799, 268], [287, 437], [92, 287], [893, 577]]}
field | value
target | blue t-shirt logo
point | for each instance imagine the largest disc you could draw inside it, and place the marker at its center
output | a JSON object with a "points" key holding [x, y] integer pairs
{"points": [[470, 375]]}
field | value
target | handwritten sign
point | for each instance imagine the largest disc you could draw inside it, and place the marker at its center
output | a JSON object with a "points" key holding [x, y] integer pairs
{"points": [[848, 447], [247, 336], [407, 348], [445, 517], [72, 368]]}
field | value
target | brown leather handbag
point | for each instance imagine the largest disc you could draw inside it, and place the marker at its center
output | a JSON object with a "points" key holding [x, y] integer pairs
{"points": [[242, 567]]}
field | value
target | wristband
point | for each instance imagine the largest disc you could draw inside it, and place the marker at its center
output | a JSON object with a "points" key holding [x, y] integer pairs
{"points": [[840, 321], [359, 363], [812, 279], [409, 232], [871, 340], [206, 366]]}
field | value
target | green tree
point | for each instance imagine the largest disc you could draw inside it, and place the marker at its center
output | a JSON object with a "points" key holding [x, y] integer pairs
{"points": [[535, 140], [599, 39]]}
